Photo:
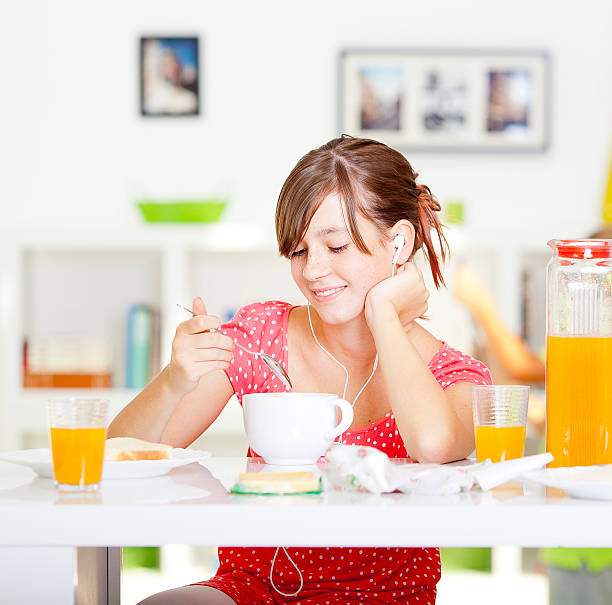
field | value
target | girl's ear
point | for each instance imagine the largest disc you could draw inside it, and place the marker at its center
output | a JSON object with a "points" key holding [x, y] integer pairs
{"points": [[402, 229]]}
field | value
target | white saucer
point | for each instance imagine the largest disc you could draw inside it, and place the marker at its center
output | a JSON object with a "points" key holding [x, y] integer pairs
{"points": [[575, 480], [40, 461]]}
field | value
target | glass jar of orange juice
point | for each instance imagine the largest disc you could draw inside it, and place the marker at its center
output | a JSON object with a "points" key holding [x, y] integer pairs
{"points": [[579, 352]]}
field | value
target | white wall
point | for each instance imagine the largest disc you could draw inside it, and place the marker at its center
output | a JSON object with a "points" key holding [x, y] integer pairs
{"points": [[74, 148]]}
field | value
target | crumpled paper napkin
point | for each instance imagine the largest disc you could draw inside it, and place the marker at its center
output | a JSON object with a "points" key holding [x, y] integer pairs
{"points": [[366, 468]]}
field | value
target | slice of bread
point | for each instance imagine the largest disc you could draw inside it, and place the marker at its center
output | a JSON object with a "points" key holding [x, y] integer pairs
{"points": [[118, 449], [290, 482]]}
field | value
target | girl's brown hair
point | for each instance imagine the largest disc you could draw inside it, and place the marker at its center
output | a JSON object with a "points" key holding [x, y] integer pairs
{"points": [[370, 178]]}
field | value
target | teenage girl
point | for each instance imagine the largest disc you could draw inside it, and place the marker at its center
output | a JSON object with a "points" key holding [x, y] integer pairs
{"points": [[350, 218]]}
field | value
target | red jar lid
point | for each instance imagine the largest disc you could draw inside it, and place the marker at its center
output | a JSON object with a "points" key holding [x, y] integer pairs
{"points": [[582, 248]]}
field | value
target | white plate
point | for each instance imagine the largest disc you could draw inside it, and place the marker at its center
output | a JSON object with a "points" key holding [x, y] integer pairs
{"points": [[40, 462], [575, 480]]}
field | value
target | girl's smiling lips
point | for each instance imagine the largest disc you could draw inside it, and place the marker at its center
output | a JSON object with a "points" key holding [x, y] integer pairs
{"points": [[325, 294]]}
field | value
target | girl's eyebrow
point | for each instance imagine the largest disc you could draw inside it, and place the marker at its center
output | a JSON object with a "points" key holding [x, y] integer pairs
{"points": [[330, 230]]}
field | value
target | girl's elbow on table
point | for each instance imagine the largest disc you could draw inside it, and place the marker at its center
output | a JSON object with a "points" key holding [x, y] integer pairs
{"points": [[442, 445]]}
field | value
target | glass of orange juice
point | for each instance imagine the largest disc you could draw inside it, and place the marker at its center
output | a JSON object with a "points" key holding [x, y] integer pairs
{"points": [[500, 418], [77, 429]]}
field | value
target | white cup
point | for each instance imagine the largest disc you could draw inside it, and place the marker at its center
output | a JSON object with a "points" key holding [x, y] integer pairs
{"points": [[294, 428]]}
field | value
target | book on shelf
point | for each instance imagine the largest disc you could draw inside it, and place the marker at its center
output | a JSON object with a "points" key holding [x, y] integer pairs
{"points": [[142, 345], [155, 361]]}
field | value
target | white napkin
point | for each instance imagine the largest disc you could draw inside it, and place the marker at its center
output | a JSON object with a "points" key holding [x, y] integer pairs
{"points": [[369, 469]]}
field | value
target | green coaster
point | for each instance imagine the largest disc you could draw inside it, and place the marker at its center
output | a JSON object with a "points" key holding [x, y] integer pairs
{"points": [[241, 488]]}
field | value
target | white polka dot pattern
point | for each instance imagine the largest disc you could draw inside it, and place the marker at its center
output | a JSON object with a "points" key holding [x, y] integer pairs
{"points": [[260, 327]]}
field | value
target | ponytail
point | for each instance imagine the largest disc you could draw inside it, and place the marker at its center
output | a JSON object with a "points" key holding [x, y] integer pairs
{"points": [[428, 221]]}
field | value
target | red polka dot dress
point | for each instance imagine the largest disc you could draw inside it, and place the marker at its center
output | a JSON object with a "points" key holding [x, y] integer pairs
{"points": [[338, 574]]}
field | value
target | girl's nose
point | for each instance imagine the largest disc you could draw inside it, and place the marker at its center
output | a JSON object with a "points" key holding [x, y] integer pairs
{"points": [[315, 267]]}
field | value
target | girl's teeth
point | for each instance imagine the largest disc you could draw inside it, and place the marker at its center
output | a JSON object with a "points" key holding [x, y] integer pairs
{"points": [[328, 292]]}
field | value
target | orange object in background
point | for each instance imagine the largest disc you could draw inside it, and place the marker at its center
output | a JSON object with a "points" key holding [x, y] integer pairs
{"points": [[499, 442], [67, 381], [77, 455], [579, 400]]}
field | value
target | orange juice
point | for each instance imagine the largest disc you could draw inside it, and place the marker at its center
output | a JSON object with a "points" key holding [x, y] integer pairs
{"points": [[579, 400], [499, 442], [77, 455]]}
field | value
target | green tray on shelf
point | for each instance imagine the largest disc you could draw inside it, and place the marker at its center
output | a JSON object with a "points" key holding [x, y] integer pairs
{"points": [[182, 211]]}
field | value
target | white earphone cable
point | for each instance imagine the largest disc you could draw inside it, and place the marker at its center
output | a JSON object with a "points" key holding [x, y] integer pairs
{"points": [[346, 371], [324, 349], [393, 264], [286, 594]]}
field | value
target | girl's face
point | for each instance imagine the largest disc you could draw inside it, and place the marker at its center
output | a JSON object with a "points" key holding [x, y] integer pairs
{"points": [[330, 271]]}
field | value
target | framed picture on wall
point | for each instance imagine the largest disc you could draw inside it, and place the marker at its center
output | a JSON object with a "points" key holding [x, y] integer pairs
{"points": [[446, 100], [169, 76]]}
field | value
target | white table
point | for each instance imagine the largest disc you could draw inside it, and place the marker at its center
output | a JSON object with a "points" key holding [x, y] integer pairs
{"points": [[191, 505]]}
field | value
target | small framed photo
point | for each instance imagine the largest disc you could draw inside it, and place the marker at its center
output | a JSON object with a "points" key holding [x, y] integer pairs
{"points": [[169, 76], [446, 100]]}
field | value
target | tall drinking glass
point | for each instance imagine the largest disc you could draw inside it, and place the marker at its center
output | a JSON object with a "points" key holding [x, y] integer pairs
{"points": [[77, 431], [500, 418]]}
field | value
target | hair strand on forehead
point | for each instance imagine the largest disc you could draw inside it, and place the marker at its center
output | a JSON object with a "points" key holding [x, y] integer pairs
{"points": [[349, 205]]}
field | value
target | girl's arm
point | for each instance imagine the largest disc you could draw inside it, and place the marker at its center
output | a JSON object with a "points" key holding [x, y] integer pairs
{"points": [[160, 415], [435, 424], [190, 391]]}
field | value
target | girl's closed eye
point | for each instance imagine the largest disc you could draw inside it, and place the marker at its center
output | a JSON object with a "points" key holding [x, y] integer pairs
{"points": [[332, 249]]}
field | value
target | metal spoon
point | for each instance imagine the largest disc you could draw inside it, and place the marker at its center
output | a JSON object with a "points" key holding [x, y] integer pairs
{"points": [[269, 361]]}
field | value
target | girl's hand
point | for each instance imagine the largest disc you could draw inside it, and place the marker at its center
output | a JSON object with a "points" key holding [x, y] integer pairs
{"points": [[196, 352], [404, 295]]}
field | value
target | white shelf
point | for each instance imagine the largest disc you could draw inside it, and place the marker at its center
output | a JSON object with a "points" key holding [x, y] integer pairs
{"points": [[219, 237], [116, 396], [29, 415], [462, 239]]}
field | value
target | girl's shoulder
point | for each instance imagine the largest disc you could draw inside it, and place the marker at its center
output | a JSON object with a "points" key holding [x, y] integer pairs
{"points": [[267, 317], [261, 313], [449, 366]]}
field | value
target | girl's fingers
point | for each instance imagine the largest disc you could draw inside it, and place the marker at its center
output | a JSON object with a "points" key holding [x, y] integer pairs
{"points": [[209, 354], [198, 324], [210, 340], [199, 308]]}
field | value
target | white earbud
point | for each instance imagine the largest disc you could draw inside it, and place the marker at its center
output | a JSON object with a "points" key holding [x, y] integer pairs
{"points": [[398, 242]]}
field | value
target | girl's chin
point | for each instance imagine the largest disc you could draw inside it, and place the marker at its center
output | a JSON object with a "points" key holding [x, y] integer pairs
{"points": [[338, 316]]}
